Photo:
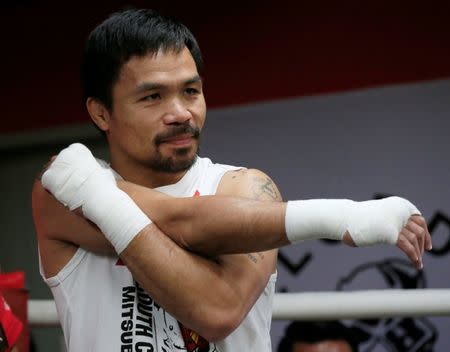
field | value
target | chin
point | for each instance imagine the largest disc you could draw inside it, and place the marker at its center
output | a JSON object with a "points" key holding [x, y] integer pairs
{"points": [[180, 161], [184, 162]]}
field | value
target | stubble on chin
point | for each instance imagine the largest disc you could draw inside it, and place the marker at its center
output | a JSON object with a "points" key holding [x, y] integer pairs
{"points": [[182, 160]]}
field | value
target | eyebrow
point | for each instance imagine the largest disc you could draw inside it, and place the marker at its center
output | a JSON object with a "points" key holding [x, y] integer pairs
{"points": [[146, 86], [194, 79]]}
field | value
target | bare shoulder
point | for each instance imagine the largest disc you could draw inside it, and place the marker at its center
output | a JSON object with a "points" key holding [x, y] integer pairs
{"points": [[253, 184], [249, 183]]}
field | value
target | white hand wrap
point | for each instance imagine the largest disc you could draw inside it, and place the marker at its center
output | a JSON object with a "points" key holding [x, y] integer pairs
{"points": [[76, 179], [370, 222]]}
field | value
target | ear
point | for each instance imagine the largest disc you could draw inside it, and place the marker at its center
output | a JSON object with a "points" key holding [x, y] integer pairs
{"points": [[99, 113]]}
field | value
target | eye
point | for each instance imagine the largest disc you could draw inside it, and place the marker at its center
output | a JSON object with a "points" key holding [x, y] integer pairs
{"points": [[192, 91], [154, 96]]}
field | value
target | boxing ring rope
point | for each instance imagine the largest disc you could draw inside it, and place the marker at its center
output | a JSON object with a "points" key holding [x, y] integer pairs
{"points": [[319, 305]]}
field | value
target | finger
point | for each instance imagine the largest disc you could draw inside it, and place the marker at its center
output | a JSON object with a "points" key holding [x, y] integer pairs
{"points": [[348, 240], [419, 232], [409, 244], [78, 211], [409, 250], [428, 242], [46, 166], [52, 159], [420, 220]]}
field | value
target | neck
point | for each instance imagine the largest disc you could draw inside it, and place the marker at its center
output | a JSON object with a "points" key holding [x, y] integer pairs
{"points": [[135, 172]]}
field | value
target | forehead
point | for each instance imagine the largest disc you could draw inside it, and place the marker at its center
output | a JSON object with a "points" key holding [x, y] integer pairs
{"points": [[164, 67]]}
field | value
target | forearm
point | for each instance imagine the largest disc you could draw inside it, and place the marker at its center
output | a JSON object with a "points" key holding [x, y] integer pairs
{"points": [[214, 225], [203, 294], [219, 224]]}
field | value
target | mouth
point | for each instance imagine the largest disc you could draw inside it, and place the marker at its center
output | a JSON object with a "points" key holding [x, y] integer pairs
{"points": [[179, 140], [183, 136]]}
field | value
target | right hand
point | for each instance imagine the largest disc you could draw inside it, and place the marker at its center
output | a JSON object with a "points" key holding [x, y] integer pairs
{"points": [[414, 238], [391, 220]]}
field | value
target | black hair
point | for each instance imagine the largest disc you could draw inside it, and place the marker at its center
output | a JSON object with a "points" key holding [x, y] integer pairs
{"points": [[314, 332], [135, 32]]}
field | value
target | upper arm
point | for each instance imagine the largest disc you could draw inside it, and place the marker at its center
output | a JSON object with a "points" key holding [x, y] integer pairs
{"points": [[251, 270], [60, 232], [249, 183]]}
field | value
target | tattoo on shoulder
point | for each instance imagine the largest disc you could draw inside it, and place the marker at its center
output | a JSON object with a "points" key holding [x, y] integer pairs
{"points": [[253, 257], [263, 187]]}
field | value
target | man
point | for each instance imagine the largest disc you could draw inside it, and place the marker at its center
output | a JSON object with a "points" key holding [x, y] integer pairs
{"points": [[143, 90], [301, 336]]}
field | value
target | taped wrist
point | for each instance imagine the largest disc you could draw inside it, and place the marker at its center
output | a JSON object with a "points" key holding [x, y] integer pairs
{"points": [[76, 179], [316, 218], [368, 223], [116, 215]]}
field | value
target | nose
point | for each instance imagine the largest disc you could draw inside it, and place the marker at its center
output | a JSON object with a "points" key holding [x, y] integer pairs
{"points": [[177, 113]]}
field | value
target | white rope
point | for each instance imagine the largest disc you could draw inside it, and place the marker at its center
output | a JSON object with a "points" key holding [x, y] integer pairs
{"points": [[319, 305], [361, 304], [42, 313]]}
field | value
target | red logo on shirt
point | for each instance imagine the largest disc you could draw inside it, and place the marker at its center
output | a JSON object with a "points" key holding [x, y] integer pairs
{"points": [[193, 341]]}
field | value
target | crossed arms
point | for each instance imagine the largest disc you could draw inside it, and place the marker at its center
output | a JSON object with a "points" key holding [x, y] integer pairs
{"points": [[222, 288], [210, 294]]}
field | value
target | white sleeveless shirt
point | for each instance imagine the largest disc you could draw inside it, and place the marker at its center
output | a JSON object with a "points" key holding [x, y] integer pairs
{"points": [[101, 308]]}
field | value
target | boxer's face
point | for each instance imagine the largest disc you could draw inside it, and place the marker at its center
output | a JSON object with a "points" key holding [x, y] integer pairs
{"points": [[158, 111]]}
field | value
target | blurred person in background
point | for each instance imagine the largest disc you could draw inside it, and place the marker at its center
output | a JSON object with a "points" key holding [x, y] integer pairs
{"points": [[327, 336]]}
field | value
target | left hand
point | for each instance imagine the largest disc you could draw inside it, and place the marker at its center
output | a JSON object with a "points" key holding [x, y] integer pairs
{"points": [[74, 176]]}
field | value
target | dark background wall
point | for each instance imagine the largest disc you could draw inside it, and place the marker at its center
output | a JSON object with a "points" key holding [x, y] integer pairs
{"points": [[255, 50], [299, 90]]}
